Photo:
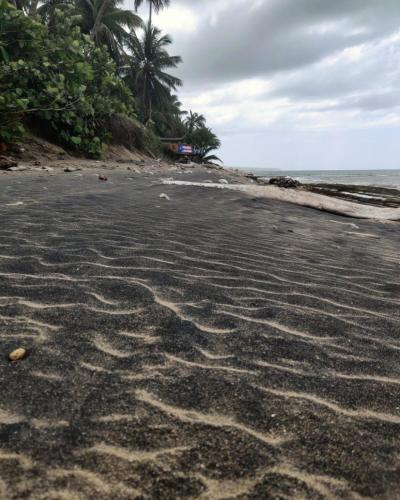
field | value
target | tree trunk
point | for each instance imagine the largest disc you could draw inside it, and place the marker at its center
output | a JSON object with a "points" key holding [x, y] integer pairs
{"points": [[151, 12], [150, 108], [98, 20]]}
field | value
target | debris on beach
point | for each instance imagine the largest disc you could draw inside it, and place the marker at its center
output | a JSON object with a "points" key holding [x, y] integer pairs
{"points": [[72, 169], [6, 163], [16, 204], [103, 178], [364, 235], [351, 224], [165, 197], [211, 166], [17, 169], [17, 354], [134, 170], [284, 182], [250, 175]]}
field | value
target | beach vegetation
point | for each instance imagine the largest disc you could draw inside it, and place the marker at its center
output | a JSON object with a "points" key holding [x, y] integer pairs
{"points": [[198, 134], [57, 81], [194, 121], [155, 5], [147, 74], [72, 69]]}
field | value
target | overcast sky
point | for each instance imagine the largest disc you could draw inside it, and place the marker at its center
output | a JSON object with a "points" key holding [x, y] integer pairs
{"points": [[293, 84]]}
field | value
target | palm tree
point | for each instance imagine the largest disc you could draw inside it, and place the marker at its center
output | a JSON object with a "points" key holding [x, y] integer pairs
{"points": [[194, 121], [206, 157], [206, 141], [104, 20], [107, 23], [147, 75], [168, 118], [157, 5]]}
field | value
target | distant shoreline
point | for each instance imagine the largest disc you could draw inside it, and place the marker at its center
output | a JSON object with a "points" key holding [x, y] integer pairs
{"points": [[388, 178]]}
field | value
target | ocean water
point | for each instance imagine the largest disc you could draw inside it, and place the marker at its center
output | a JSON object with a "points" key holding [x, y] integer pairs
{"points": [[381, 178]]}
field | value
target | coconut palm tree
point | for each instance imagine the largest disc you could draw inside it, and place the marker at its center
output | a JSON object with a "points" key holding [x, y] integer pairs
{"points": [[147, 75], [107, 23], [168, 119], [194, 121], [104, 20], [157, 5], [206, 141], [206, 157]]}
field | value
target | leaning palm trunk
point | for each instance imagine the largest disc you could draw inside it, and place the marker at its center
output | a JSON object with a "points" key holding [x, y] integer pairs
{"points": [[150, 109], [98, 20]]}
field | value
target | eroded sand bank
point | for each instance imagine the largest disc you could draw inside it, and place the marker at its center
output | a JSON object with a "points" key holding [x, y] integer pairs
{"points": [[305, 199]]}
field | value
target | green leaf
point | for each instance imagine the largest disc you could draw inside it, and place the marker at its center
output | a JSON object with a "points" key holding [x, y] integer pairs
{"points": [[4, 54]]}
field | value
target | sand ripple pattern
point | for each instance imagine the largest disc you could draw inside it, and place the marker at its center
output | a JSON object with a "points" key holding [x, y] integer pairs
{"points": [[212, 347]]}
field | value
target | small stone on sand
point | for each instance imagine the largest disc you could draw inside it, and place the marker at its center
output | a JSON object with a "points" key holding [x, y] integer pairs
{"points": [[17, 354]]}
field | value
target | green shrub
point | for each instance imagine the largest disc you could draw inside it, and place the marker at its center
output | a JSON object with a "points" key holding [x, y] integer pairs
{"points": [[58, 78]]}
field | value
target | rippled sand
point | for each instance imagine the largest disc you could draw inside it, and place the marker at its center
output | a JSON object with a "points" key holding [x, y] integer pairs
{"points": [[211, 346]]}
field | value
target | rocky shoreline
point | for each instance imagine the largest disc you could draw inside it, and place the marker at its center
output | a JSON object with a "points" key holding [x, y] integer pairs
{"points": [[363, 195]]}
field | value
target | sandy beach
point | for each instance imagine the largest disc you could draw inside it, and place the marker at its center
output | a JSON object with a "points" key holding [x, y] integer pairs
{"points": [[216, 344]]}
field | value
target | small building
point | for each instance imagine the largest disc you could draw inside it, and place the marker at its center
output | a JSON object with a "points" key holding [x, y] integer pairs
{"points": [[177, 149]]}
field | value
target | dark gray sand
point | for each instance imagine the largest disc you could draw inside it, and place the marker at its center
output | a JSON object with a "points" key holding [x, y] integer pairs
{"points": [[210, 346]]}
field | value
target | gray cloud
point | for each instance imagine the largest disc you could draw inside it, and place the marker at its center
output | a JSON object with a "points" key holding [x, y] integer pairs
{"points": [[279, 35]]}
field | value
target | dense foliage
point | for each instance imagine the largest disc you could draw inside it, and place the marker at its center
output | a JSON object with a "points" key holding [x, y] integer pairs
{"points": [[68, 67], [59, 78]]}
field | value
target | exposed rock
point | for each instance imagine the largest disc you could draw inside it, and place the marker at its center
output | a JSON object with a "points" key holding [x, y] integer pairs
{"points": [[134, 170], [17, 354], [103, 178], [250, 175], [6, 163], [284, 182], [72, 169], [223, 181], [17, 169]]}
